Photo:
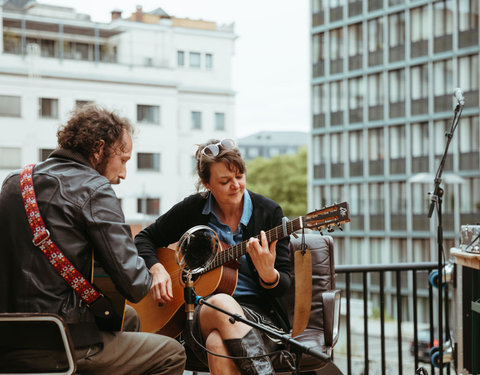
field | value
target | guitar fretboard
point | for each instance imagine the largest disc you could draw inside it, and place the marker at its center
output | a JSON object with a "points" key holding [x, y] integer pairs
{"points": [[236, 251]]}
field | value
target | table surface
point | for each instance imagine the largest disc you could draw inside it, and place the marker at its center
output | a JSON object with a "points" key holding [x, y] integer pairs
{"points": [[466, 259]]}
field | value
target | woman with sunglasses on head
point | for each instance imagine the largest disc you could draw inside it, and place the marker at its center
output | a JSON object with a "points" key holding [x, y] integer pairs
{"points": [[236, 215]]}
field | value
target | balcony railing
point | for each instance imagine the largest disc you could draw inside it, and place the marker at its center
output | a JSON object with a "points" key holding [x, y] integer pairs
{"points": [[388, 342]]}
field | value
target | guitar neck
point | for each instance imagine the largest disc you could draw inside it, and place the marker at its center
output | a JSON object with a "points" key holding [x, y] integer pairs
{"points": [[236, 251]]}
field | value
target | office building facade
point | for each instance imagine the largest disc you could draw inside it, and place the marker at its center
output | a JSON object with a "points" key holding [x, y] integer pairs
{"points": [[383, 77]]}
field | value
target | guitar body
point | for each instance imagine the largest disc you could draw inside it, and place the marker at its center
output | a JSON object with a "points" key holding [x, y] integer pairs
{"points": [[169, 319]]}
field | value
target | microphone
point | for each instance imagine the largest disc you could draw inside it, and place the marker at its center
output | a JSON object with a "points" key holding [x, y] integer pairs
{"points": [[189, 296], [459, 96]]}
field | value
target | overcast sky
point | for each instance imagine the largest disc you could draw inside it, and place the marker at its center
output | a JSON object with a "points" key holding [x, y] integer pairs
{"points": [[271, 62]]}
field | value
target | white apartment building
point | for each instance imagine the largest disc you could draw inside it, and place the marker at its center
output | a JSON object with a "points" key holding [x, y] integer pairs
{"points": [[171, 77]]}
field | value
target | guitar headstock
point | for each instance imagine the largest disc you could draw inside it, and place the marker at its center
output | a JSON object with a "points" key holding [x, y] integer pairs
{"points": [[327, 217]]}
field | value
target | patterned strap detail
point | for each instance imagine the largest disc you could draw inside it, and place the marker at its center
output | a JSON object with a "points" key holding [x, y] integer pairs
{"points": [[41, 239]]}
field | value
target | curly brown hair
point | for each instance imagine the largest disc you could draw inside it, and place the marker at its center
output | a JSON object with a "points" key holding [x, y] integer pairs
{"points": [[231, 157], [88, 126]]}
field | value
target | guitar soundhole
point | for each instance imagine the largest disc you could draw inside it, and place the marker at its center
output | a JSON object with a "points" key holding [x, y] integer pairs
{"points": [[184, 277]]}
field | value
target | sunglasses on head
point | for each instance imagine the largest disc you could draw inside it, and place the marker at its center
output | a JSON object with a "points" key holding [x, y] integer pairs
{"points": [[214, 150]]}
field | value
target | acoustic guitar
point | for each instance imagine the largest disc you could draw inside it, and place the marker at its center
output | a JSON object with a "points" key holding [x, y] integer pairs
{"points": [[221, 276]]}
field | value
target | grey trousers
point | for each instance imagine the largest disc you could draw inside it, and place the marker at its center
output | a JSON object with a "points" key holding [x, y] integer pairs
{"points": [[132, 352]]}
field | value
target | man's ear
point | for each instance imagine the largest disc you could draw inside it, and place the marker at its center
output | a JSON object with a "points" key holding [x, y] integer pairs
{"points": [[99, 153]]}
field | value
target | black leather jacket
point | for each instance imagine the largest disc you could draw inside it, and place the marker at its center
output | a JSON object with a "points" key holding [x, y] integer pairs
{"points": [[83, 215]]}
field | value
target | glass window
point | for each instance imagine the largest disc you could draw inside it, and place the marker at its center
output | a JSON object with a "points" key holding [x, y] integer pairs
{"points": [[443, 17], [375, 34], [442, 77], [468, 15], [194, 59], [468, 77], [399, 250], [196, 120], [180, 58], [148, 114], [10, 106], [81, 103], [356, 93], [375, 144], [318, 47], [397, 85], [356, 149], [377, 251], [375, 89], [336, 44], [397, 29], [208, 61], [337, 96], [148, 161], [148, 206], [219, 121], [397, 142], [398, 198], [337, 151], [419, 81], [357, 201], [355, 39], [10, 157], [469, 134], [48, 108], [43, 153], [376, 194], [419, 139], [419, 24]]}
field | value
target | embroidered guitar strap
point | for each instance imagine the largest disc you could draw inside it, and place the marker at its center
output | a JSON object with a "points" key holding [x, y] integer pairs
{"points": [[41, 239]]}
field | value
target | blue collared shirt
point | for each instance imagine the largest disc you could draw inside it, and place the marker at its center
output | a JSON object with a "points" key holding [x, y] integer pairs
{"points": [[245, 285]]}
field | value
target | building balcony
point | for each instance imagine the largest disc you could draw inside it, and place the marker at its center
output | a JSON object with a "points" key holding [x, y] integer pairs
{"points": [[355, 8], [356, 168], [419, 106], [397, 109], [336, 66], [397, 166], [419, 164], [375, 112], [443, 43], [471, 98], [355, 115], [419, 48], [397, 53], [336, 14], [442, 103], [469, 161], [375, 57], [376, 167], [468, 38], [318, 69], [337, 170], [336, 118], [398, 222], [319, 171], [355, 62], [319, 121], [374, 5], [377, 222], [318, 18]]}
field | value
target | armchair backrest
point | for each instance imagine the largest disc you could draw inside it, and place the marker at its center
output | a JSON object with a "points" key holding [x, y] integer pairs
{"points": [[323, 275]]}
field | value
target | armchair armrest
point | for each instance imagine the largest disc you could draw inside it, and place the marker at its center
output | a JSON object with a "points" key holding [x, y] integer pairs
{"points": [[331, 316]]}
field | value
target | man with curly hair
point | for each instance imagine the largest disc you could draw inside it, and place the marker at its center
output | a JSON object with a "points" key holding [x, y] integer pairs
{"points": [[82, 213]]}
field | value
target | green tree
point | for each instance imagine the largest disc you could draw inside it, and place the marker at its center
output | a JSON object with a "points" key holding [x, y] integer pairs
{"points": [[282, 178]]}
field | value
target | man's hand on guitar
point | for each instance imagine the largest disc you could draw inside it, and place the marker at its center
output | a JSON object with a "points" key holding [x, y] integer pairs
{"points": [[263, 257], [161, 288]]}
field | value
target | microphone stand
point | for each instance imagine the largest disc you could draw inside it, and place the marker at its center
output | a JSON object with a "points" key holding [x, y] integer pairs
{"points": [[285, 338], [436, 202]]}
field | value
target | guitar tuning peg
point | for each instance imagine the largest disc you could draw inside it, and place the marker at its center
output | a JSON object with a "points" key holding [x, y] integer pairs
{"points": [[321, 233], [340, 227], [330, 230]]}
